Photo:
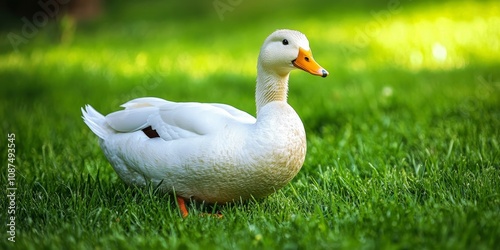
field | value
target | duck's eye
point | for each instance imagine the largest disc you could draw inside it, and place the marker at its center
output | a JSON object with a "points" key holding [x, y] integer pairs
{"points": [[285, 42]]}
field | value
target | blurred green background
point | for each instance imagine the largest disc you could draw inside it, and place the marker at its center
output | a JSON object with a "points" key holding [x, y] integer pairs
{"points": [[414, 88], [129, 49]]}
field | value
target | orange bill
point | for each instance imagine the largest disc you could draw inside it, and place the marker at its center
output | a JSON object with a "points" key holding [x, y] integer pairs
{"points": [[306, 63]]}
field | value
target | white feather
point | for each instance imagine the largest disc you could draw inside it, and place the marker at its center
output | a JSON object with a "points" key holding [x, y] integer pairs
{"points": [[96, 122]]}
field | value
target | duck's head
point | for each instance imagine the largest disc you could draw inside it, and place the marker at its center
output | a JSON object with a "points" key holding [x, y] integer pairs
{"points": [[285, 50]]}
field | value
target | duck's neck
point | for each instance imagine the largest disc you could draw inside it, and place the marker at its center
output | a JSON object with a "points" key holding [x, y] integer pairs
{"points": [[270, 87]]}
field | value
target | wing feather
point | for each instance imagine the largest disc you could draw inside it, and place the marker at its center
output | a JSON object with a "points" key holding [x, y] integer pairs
{"points": [[174, 120]]}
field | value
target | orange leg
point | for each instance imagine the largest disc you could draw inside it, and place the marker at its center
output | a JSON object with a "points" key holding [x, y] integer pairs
{"points": [[182, 207]]}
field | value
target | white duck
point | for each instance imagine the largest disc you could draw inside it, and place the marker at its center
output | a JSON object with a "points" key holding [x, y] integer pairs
{"points": [[214, 152]]}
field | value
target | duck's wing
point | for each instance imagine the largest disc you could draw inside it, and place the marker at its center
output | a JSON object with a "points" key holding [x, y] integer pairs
{"points": [[136, 114], [173, 120]]}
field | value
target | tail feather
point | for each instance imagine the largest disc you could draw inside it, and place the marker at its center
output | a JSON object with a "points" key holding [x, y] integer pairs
{"points": [[96, 122]]}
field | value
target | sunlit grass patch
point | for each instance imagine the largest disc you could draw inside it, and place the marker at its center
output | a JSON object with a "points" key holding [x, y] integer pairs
{"points": [[442, 36], [450, 36]]}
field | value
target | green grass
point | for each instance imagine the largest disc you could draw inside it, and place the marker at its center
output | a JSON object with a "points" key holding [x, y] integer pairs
{"points": [[403, 147]]}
